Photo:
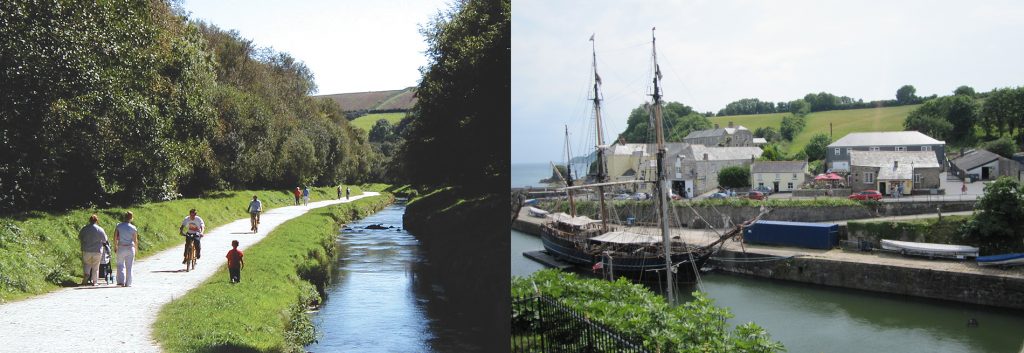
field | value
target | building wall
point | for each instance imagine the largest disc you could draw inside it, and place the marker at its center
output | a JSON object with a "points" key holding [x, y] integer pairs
{"points": [[784, 179], [844, 153], [929, 180]]}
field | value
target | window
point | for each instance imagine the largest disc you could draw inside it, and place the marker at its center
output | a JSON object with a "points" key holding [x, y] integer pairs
{"points": [[837, 151], [873, 149], [926, 148], [869, 178], [776, 176], [848, 151], [790, 186], [794, 176], [901, 148], [760, 185], [918, 177], [760, 176]]}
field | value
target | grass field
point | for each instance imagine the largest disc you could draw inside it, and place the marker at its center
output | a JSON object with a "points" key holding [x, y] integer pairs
{"points": [[40, 252], [843, 122], [266, 311], [366, 122]]}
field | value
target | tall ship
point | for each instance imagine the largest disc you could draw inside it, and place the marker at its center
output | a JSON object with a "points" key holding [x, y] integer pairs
{"points": [[638, 250]]}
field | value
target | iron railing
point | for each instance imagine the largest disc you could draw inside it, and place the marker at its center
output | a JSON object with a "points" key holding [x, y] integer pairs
{"points": [[541, 324]]}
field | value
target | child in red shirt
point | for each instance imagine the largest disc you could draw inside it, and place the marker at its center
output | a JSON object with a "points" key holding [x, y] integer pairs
{"points": [[235, 262]]}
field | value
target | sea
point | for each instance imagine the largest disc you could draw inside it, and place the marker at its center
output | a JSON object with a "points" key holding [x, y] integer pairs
{"points": [[529, 174]]}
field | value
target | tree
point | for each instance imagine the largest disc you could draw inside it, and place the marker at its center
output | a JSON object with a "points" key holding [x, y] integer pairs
{"points": [[816, 149], [791, 126], [1003, 112], [381, 131], [799, 107], [906, 95], [959, 112], [998, 226], [768, 133], [463, 100], [686, 124], [678, 121], [965, 91], [1004, 146], [734, 176], [772, 153]]}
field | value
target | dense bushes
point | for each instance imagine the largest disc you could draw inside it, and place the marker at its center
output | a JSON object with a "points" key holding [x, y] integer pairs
{"points": [[639, 314], [127, 101], [931, 230]]}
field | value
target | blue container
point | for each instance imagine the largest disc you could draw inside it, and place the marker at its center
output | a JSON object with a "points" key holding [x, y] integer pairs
{"points": [[796, 234]]}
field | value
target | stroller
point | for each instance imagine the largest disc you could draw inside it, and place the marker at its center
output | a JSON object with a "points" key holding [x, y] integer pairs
{"points": [[105, 271]]}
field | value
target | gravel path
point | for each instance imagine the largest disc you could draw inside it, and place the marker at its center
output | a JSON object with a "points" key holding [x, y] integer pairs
{"points": [[107, 318]]}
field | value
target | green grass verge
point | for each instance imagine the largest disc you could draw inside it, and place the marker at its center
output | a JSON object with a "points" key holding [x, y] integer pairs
{"points": [[40, 252], [266, 311], [752, 121], [366, 122]]}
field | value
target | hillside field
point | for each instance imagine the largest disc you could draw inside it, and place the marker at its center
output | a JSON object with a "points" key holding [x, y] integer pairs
{"points": [[366, 122], [843, 122]]}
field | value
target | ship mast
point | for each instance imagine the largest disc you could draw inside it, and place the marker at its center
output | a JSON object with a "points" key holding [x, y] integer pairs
{"points": [[662, 181], [601, 169], [568, 173]]}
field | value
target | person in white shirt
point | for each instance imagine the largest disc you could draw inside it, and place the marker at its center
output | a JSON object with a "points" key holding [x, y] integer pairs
{"points": [[192, 229], [126, 240], [255, 208]]}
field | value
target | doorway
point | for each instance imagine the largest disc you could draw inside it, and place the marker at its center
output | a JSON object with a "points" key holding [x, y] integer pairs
{"points": [[985, 173], [775, 188], [882, 189]]}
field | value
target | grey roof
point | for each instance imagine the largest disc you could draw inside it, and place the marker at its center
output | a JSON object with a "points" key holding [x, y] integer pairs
{"points": [[975, 159], [760, 141], [886, 138], [886, 162], [778, 167], [628, 149], [723, 153], [714, 132]]}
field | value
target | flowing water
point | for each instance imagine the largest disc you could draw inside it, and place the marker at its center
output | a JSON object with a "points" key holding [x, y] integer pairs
{"points": [[375, 303], [808, 318]]}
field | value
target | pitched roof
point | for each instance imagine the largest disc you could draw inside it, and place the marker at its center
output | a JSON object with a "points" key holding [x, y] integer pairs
{"points": [[885, 138], [778, 167], [760, 141], [714, 132], [975, 159], [627, 149], [894, 165], [723, 153]]}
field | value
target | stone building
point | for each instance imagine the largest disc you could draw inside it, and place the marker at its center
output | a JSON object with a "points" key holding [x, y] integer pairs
{"points": [[738, 136], [777, 176], [984, 165], [837, 156], [917, 171]]}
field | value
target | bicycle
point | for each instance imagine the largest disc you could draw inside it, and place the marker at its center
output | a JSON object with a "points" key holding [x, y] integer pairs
{"points": [[190, 253], [254, 221]]}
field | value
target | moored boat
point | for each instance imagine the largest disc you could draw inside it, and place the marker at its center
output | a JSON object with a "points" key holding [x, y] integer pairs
{"points": [[1014, 259], [929, 249]]}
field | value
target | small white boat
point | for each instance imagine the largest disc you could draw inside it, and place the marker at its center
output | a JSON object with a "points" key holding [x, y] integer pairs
{"points": [[930, 249], [536, 212], [1015, 259]]}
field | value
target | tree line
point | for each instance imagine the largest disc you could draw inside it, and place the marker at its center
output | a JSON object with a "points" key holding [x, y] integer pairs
{"points": [[130, 101]]}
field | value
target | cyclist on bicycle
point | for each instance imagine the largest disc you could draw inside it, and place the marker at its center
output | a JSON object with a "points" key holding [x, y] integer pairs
{"points": [[255, 208], [195, 226]]}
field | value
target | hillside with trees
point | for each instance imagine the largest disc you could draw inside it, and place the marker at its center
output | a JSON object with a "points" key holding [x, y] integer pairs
{"points": [[123, 103]]}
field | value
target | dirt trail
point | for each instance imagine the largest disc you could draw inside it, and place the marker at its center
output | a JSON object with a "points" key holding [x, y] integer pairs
{"points": [[108, 318]]}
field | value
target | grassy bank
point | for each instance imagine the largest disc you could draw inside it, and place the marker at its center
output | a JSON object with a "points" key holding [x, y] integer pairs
{"points": [[40, 252], [266, 311]]}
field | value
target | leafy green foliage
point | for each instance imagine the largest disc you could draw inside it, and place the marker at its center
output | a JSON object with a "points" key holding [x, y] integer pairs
{"points": [[679, 120], [734, 177], [1003, 112], [125, 102], [950, 118], [637, 313], [998, 225], [463, 100], [816, 149], [1004, 146], [768, 133], [792, 125], [927, 230], [964, 90], [771, 152], [906, 95]]}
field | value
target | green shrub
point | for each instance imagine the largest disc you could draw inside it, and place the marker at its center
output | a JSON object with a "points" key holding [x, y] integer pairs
{"points": [[641, 315]]}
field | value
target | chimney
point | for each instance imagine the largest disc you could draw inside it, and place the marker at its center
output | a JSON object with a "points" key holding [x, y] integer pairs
{"points": [[730, 124], [705, 156], [716, 125]]}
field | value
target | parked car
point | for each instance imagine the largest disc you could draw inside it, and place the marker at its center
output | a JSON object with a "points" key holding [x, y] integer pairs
{"points": [[718, 195], [764, 190], [756, 195], [641, 196], [621, 197], [867, 195]]}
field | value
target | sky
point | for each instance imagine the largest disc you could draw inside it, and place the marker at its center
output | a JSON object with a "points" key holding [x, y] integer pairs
{"points": [[712, 53], [350, 46]]}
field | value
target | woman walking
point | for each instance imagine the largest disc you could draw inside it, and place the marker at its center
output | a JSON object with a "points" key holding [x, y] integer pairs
{"points": [[126, 240]]}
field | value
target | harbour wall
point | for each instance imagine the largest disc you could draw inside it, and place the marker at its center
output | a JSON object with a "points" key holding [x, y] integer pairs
{"points": [[965, 287]]}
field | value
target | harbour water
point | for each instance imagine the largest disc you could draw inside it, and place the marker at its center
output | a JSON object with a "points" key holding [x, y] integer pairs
{"points": [[376, 302], [529, 174], [807, 318]]}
